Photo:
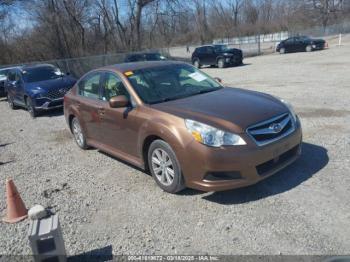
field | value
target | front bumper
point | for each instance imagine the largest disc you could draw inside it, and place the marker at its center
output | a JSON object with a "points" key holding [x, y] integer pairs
{"points": [[47, 103], [249, 164], [234, 60]]}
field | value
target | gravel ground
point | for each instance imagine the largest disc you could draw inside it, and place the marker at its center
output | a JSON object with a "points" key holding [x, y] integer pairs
{"points": [[107, 206]]}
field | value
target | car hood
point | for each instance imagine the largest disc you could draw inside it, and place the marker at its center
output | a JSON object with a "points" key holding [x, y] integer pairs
{"points": [[52, 84], [228, 108]]}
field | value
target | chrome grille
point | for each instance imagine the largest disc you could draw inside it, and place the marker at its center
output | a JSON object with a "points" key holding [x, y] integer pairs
{"points": [[271, 130], [57, 93]]}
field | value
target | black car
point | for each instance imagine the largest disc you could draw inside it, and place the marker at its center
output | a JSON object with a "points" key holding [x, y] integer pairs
{"points": [[37, 87], [216, 55], [138, 57], [300, 44]]}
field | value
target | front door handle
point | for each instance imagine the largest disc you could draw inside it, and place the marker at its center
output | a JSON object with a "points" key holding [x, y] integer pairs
{"points": [[101, 111]]}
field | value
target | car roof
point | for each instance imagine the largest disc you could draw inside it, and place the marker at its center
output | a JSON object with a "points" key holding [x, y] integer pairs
{"points": [[124, 67], [205, 46], [26, 67], [144, 53], [8, 68]]}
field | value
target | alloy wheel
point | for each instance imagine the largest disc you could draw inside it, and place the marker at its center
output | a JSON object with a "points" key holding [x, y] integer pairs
{"points": [[163, 167], [78, 134], [196, 63], [10, 102]]}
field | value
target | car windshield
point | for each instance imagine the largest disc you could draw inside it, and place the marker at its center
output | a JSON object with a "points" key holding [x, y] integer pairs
{"points": [[221, 48], [154, 57], [38, 74], [170, 82]]}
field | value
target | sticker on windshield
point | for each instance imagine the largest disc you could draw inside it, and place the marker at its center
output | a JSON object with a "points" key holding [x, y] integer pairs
{"points": [[197, 76], [128, 73]]}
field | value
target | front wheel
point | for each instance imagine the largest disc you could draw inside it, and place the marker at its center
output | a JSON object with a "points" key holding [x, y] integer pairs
{"points": [[221, 63], [30, 107], [196, 63], [10, 102], [165, 167], [309, 48], [282, 51]]}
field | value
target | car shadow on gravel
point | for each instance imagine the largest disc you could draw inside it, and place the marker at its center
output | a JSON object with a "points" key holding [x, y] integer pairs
{"points": [[51, 113], [97, 255], [313, 159]]}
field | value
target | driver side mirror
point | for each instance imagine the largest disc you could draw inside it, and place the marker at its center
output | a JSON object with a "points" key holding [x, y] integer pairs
{"points": [[118, 101], [218, 79]]}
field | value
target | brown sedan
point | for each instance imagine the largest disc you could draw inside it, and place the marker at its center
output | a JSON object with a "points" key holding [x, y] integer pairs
{"points": [[182, 125]]}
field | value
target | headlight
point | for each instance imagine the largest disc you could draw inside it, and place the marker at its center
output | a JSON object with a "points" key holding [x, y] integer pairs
{"points": [[290, 107], [212, 136], [38, 91]]}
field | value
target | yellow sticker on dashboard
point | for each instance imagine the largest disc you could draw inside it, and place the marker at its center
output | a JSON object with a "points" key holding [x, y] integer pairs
{"points": [[128, 73]]}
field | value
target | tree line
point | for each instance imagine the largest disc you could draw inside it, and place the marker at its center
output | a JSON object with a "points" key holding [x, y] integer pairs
{"points": [[33, 30]]}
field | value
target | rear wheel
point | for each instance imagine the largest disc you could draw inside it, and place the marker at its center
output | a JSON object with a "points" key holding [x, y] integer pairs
{"points": [[165, 167], [196, 63], [30, 107], [282, 50], [308, 48], [79, 136], [221, 63], [10, 102]]}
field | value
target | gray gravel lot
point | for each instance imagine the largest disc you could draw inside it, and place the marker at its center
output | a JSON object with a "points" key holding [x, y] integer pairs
{"points": [[107, 206]]}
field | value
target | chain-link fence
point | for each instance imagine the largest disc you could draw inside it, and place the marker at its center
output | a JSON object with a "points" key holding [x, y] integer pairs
{"points": [[79, 66], [250, 45]]}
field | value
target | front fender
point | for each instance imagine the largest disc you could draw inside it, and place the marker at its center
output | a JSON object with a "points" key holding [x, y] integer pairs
{"points": [[171, 133]]}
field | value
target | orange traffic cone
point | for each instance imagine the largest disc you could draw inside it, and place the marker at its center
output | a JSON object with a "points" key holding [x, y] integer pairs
{"points": [[16, 210]]}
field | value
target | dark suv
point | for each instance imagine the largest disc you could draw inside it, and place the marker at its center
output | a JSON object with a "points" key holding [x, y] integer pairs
{"points": [[216, 55], [37, 87], [138, 57]]}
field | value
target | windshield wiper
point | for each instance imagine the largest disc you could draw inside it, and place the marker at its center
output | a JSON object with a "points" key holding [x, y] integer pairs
{"points": [[207, 90]]}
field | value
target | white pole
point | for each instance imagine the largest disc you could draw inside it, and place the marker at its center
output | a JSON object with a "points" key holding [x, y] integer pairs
{"points": [[339, 43]]}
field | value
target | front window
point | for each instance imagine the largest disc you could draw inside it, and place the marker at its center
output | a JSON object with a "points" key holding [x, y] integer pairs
{"points": [[42, 73], [165, 83], [221, 48], [3, 73], [113, 86]]}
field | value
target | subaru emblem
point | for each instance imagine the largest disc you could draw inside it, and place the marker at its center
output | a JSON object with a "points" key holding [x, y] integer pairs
{"points": [[275, 127]]}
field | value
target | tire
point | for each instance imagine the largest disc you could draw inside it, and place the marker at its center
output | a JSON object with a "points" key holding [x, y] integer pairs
{"points": [[10, 102], [30, 107], [221, 63], [165, 167], [196, 63], [79, 136], [282, 50], [308, 48]]}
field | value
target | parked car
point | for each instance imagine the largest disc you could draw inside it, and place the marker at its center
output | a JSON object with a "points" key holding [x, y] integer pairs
{"points": [[182, 125], [216, 55], [300, 44], [37, 87], [3, 79], [144, 57]]}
